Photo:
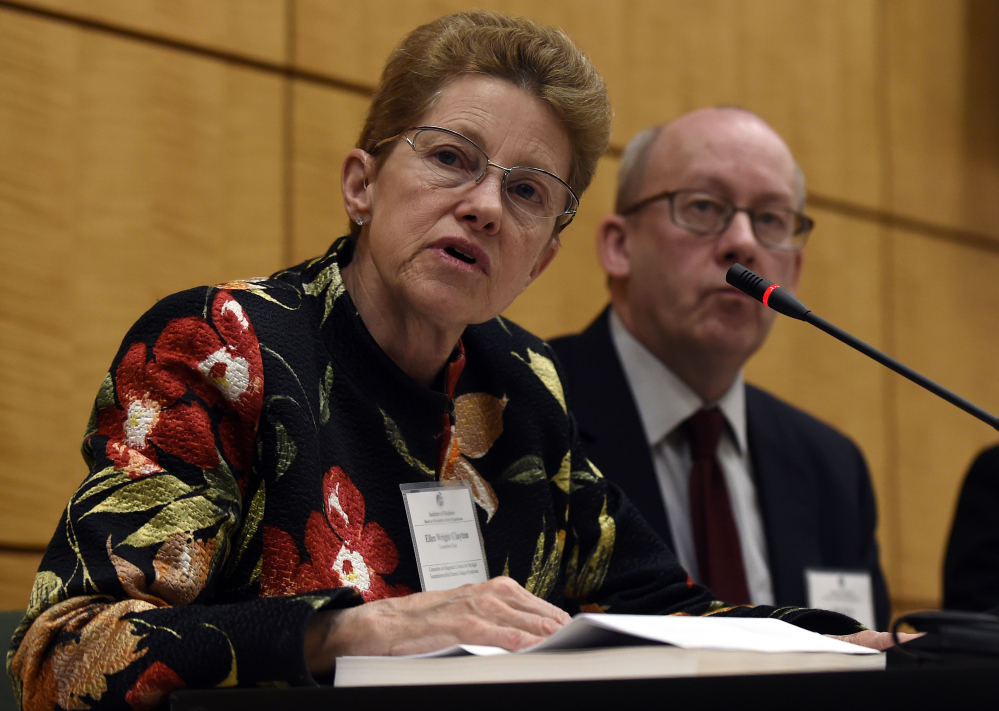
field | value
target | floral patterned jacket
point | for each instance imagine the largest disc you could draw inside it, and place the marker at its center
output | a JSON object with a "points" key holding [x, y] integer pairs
{"points": [[246, 451]]}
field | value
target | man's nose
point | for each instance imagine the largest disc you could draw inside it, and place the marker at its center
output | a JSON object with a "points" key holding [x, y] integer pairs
{"points": [[737, 242]]}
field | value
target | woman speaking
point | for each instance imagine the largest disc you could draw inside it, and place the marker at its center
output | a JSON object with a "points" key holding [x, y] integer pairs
{"points": [[261, 451]]}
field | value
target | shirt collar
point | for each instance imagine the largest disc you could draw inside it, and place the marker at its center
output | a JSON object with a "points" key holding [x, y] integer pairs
{"points": [[664, 401]]}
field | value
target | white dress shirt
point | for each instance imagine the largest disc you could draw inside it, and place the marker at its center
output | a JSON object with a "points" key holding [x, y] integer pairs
{"points": [[664, 403]]}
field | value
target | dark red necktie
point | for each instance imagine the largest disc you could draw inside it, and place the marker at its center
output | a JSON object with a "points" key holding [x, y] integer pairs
{"points": [[716, 538]]}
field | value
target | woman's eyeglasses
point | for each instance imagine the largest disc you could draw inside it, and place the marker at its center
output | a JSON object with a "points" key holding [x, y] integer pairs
{"points": [[455, 161]]}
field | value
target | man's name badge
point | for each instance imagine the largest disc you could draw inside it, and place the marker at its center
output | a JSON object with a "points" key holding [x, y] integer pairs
{"points": [[446, 536], [846, 591]]}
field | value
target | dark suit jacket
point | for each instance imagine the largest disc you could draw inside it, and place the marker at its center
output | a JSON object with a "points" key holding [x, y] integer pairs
{"points": [[814, 490], [971, 569]]}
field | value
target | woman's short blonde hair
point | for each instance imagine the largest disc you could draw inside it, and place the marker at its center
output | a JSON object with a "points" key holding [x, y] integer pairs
{"points": [[540, 60]]}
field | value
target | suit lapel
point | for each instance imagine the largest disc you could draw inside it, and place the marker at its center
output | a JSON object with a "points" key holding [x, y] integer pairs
{"points": [[609, 422], [786, 497]]}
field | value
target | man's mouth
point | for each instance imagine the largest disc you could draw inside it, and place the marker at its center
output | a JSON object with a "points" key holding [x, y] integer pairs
{"points": [[458, 254]]}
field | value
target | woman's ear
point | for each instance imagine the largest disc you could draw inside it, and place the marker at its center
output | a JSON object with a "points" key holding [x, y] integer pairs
{"points": [[357, 172], [613, 249]]}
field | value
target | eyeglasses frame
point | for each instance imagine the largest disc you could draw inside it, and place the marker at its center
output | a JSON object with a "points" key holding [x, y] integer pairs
{"points": [[571, 212], [806, 223]]}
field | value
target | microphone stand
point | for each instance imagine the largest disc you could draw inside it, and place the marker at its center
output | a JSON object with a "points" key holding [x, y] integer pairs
{"points": [[779, 300]]}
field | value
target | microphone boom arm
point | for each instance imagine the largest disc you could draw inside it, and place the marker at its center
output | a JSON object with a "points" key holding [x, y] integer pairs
{"points": [[778, 299]]}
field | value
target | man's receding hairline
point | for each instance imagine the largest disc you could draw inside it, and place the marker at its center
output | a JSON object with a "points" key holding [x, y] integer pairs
{"points": [[635, 159]]}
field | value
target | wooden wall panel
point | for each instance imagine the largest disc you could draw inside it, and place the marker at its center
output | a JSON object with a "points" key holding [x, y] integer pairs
{"points": [[572, 291], [940, 336], [324, 43], [38, 408], [350, 41], [129, 172], [843, 282], [808, 68], [254, 28], [16, 578], [327, 123], [943, 80]]}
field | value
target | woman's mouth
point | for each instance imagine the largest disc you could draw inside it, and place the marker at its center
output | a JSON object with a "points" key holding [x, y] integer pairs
{"points": [[463, 251], [458, 254]]}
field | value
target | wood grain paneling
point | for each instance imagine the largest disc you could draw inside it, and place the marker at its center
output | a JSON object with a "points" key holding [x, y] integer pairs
{"points": [[350, 41], [17, 573], [945, 326], [943, 80], [813, 371], [38, 406], [254, 28], [808, 68], [327, 124], [572, 291], [126, 172]]}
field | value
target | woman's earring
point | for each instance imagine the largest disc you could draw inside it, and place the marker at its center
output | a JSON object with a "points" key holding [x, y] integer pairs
{"points": [[359, 221]]}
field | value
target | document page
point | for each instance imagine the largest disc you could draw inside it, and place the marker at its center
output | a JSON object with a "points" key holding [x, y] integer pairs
{"points": [[590, 631]]}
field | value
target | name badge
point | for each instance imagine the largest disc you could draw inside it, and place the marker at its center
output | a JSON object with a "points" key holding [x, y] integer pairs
{"points": [[846, 591], [446, 536]]}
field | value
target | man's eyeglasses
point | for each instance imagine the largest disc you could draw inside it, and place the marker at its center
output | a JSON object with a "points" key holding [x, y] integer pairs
{"points": [[455, 161], [707, 214]]}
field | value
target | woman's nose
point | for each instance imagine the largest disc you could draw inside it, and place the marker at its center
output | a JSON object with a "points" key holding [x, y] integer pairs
{"points": [[482, 203]]}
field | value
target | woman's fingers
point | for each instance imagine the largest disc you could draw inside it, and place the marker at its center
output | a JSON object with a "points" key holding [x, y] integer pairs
{"points": [[498, 612], [516, 597], [876, 640]]}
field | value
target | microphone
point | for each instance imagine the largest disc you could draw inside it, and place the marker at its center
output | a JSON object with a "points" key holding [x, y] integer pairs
{"points": [[781, 301]]}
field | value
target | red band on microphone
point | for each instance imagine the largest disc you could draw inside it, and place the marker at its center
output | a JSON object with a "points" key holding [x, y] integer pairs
{"points": [[766, 294]]}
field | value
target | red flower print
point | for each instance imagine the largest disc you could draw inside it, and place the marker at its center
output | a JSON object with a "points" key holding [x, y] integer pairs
{"points": [[230, 369], [345, 551], [150, 414], [222, 365], [281, 572], [131, 461], [152, 687]]}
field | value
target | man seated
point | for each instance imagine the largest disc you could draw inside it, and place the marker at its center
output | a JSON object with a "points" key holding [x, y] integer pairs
{"points": [[750, 492], [971, 568]]}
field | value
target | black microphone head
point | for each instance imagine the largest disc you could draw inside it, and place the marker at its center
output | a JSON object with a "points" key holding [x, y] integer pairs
{"points": [[751, 283], [747, 281]]}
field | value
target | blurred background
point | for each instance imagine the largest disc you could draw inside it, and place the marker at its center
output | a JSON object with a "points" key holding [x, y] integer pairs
{"points": [[148, 146]]}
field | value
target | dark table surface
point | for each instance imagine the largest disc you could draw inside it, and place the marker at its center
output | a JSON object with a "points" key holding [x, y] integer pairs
{"points": [[901, 686]]}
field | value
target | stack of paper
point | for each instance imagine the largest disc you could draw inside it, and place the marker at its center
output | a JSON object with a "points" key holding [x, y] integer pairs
{"points": [[595, 646]]}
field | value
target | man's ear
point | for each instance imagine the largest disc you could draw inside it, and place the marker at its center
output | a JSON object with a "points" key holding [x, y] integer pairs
{"points": [[355, 176], [613, 247]]}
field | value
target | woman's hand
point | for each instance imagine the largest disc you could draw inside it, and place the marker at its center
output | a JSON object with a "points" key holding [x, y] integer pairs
{"points": [[498, 612], [875, 640]]}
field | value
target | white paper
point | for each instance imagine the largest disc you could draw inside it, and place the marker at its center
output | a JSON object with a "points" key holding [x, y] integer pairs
{"points": [[846, 591], [733, 633]]}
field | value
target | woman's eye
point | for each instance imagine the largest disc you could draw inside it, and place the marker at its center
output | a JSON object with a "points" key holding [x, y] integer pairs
{"points": [[525, 191], [447, 157]]}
